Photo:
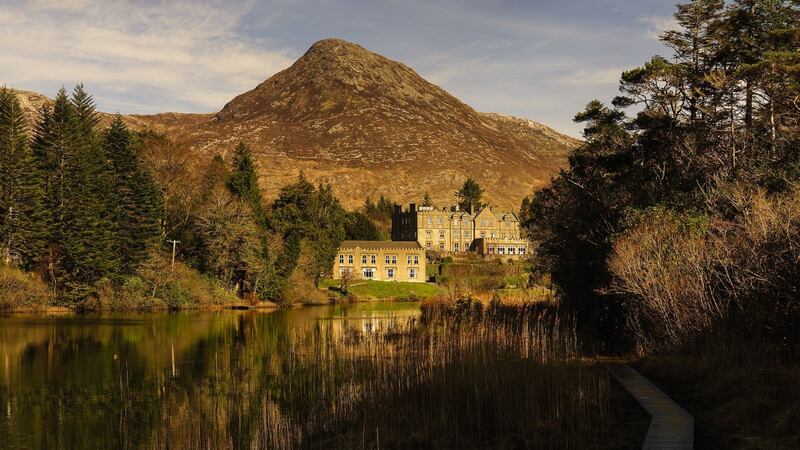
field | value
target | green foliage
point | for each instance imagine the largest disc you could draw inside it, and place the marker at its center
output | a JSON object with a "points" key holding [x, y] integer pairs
{"points": [[304, 213], [388, 290], [469, 196], [77, 186], [22, 215], [138, 199], [77, 205], [718, 112], [427, 201], [243, 180], [358, 226]]}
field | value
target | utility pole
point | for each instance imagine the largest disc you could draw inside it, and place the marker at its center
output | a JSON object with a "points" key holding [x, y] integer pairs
{"points": [[174, 245]]}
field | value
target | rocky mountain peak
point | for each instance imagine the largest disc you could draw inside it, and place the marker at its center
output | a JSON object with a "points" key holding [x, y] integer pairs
{"points": [[368, 125], [338, 77]]}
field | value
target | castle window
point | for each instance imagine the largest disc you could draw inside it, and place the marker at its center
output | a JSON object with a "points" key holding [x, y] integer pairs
{"points": [[374, 259], [455, 247], [412, 273], [501, 250], [341, 259], [349, 259], [390, 273], [363, 259]]}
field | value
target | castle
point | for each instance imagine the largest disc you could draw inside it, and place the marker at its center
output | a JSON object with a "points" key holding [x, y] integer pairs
{"points": [[451, 230], [417, 230]]}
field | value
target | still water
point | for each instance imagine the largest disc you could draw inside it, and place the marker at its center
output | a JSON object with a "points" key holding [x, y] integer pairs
{"points": [[115, 380]]}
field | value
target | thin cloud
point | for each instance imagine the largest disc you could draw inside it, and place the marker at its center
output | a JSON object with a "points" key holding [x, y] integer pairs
{"points": [[188, 54], [584, 77], [657, 25]]}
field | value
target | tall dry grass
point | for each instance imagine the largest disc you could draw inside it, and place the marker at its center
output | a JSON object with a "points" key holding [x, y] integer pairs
{"points": [[463, 376]]}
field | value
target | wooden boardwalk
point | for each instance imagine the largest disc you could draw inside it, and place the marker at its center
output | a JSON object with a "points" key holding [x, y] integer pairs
{"points": [[671, 427]]}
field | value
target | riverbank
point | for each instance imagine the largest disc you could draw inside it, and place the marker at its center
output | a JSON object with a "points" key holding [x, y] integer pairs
{"points": [[158, 288], [370, 290]]}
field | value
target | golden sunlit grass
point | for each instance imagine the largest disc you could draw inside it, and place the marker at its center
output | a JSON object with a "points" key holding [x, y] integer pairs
{"points": [[464, 375]]}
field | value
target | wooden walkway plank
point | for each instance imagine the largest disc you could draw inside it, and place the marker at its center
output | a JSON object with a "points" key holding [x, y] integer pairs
{"points": [[671, 427]]}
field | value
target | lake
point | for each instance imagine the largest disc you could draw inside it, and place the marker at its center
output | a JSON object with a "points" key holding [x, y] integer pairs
{"points": [[125, 380]]}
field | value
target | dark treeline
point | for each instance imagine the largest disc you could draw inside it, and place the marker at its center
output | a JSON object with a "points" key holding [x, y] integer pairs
{"points": [[683, 216], [77, 205], [85, 207]]}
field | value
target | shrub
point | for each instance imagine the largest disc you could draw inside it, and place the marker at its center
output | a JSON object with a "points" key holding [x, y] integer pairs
{"points": [[22, 290], [681, 277], [301, 290]]}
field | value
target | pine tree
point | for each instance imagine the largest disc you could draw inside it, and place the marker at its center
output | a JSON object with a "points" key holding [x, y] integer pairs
{"points": [[79, 196], [469, 196], [54, 148], [138, 198], [90, 223], [695, 47], [243, 181], [22, 236], [426, 200]]}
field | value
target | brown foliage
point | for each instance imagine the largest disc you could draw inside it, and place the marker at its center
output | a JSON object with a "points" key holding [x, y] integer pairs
{"points": [[739, 268], [21, 290]]}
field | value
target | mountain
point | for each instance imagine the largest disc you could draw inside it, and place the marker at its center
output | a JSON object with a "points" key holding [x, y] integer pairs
{"points": [[370, 126]]}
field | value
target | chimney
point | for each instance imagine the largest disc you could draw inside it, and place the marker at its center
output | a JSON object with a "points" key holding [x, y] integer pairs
{"points": [[398, 209], [412, 207]]}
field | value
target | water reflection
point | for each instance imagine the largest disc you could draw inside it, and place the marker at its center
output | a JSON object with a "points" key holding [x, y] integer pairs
{"points": [[126, 380]]}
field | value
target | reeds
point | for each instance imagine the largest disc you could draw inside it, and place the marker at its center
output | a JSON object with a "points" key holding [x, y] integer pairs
{"points": [[464, 375]]}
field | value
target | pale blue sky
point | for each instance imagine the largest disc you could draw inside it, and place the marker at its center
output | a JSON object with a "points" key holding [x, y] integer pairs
{"points": [[538, 59]]}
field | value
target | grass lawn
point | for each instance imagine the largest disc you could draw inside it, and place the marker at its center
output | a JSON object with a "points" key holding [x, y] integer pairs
{"points": [[386, 290]]}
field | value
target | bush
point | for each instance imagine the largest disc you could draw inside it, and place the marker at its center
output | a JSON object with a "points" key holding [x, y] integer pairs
{"points": [[301, 290], [682, 275], [22, 290], [157, 286]]}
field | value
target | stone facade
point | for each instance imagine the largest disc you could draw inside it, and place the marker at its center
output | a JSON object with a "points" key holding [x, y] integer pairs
{"points": [[450, 230], [501, 248], [381, 261]]}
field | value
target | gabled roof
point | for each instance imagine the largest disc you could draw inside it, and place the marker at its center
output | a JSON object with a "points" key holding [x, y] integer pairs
{"points": [[389, 245], [506, 216]]}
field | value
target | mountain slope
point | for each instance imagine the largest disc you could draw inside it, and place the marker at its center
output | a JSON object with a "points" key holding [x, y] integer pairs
{"points": [[370, 126]]}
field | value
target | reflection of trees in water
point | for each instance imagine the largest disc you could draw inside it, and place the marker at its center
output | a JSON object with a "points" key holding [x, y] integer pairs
{"points": [[133, 381], [276, 380]]}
